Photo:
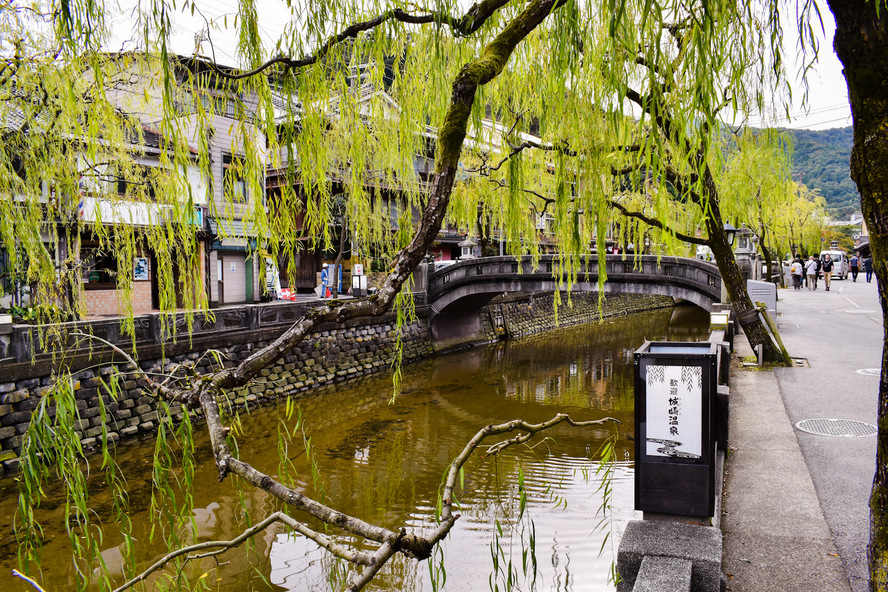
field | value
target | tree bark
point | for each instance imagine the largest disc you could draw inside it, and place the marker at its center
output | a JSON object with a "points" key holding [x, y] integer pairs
{"points": [[861, 43], [732, 278]]}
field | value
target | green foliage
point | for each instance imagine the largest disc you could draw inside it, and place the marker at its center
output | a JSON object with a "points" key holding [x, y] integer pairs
{"points": [[340, 121], [821, 161], [52, 450], [39, 313], [757, 190]]}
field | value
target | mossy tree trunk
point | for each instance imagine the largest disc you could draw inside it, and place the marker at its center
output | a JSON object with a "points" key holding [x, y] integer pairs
{"points": [[734, 282], [861, 43]]}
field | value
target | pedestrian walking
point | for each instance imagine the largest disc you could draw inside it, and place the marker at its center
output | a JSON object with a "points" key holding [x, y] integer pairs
{"points": [[795, 271], [868, 268], [811, 272], [855, 266], [817, 273], [827, 267], [324, 274]]}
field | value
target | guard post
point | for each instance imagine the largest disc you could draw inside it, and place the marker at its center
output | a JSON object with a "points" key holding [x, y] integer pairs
{"points": [[675, 436]]}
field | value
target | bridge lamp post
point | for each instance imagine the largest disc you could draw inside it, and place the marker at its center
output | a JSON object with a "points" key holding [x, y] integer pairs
{"points": [[731, 232]]}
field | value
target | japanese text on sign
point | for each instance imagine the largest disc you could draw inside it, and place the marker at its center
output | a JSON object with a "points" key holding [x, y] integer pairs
{"points": [[674, 411]]}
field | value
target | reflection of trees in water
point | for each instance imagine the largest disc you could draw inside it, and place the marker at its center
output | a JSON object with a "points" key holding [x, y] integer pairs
{"points": [[589, 365]]}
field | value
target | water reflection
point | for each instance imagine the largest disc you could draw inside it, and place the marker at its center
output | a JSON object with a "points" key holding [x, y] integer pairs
{"points": [[384, 464]]}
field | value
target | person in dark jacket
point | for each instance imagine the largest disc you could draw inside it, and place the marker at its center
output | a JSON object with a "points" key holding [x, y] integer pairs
{"points": [[827, 267], [868, 268], [817, 275], [855, 267]]}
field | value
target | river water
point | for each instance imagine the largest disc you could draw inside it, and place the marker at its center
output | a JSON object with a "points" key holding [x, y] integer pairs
{"points": [[383, 462]]}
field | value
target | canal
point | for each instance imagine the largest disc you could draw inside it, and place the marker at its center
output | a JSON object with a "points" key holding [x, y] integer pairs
{"points": [[383, 462]]}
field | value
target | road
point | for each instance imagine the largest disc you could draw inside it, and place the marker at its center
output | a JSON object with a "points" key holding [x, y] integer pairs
{"points": [[840, 334]]}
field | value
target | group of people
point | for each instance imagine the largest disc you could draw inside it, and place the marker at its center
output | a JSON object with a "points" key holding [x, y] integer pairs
{"points": [[867, 267], [809, 271]]}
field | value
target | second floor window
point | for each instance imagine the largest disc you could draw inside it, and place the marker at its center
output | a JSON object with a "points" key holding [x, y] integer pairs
{"points": [[139, 183], [233, 184]]}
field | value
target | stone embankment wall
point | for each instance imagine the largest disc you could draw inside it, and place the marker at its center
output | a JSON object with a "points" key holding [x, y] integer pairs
{"points": [[525, 315], [332, 354], [329, 355]]}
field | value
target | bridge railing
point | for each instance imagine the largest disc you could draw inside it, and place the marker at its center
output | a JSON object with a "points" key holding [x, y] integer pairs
{"points": [[643, 268]]}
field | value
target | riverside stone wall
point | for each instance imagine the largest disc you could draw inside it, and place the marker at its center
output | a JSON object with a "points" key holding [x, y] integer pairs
{"points": [[528, 314], [332, 354], [328, 356]]}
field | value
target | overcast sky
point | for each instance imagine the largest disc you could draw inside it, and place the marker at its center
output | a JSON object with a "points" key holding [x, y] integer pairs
{"points": [[828, 96]]}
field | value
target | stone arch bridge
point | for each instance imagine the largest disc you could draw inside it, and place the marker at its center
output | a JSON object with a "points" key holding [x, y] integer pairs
{"points": [[457, 293]]}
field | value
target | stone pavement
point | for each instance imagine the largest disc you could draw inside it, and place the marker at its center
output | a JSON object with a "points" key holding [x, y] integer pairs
{"points": [[796, 504]]}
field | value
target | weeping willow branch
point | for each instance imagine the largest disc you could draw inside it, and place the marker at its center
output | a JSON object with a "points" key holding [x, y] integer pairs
{"points": [[533, 429], [164, 391], [450, 141], [546, 200], [411, 545], [30, 581], [656, 223], [563, 148], [469, 23]]}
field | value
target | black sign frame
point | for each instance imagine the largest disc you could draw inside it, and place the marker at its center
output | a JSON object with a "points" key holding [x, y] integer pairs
{"points": [[672, 480]]}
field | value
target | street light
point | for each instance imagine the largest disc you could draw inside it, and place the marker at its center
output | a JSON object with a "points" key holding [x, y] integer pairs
{"points": [[731, 232]]}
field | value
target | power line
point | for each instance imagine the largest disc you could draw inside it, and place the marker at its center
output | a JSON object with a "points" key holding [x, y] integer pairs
{"points": [[798, 115], [845, 119]]}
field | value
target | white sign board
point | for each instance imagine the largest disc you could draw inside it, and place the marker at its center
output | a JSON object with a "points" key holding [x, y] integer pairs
{"points": [[674, 411], [358, 269]]}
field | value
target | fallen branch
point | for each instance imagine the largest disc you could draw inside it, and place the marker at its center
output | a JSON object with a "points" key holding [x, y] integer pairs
{"points": [[222, 546], [412, 545]]}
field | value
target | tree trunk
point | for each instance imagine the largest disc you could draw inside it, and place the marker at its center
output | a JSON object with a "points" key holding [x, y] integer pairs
{"points": [[734, 283], [862, 45], [338, 262], [768, 254]]}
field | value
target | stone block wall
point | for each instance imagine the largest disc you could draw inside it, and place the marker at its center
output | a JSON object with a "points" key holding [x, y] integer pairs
{"points": [[535, 313], [330, 355]]}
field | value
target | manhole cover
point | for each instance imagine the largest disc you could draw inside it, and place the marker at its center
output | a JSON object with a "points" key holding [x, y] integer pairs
{"points": [[870, 371], [860, 311], [844, 428]]}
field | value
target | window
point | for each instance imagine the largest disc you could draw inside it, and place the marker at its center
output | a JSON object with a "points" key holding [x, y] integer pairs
{"points": [[233, 184], [99, 268], [139, 183], [7, 285]]}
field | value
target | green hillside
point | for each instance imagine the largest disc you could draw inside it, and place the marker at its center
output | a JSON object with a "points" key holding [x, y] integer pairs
{"points": [[822, 157]]}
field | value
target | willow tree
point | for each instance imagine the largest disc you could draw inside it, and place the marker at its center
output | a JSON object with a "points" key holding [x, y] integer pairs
{"points": [[760, 193], [613, 86]]}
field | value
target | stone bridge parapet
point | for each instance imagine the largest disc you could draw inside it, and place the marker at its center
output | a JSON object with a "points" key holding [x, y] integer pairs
{"points": [[458, 292]]}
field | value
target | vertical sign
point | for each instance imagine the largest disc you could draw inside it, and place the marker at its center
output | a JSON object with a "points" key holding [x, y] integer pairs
{"points": [[674, 411], [675, 448]]}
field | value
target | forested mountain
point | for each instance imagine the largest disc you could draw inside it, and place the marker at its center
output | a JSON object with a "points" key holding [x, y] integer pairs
{"points": [[822, 157]]}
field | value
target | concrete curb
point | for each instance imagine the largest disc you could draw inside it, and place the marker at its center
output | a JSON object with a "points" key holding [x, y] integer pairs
{"points": [[674, 547]]}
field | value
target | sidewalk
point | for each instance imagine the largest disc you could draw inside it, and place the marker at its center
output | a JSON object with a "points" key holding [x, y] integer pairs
{"points": [[796, 504]]}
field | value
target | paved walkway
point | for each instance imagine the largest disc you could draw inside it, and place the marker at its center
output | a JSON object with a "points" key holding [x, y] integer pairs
{"points": [[796, 505]]}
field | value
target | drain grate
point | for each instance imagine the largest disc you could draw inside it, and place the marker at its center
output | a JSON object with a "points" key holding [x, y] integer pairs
{"points": [[843, 428], [870, 371], [801, 363]]}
